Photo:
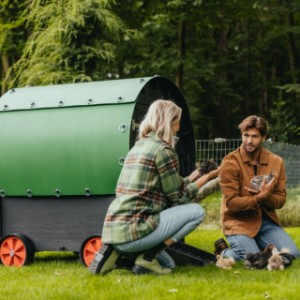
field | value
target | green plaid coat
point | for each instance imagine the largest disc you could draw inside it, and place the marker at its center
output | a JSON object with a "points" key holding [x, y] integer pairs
{"points": [[149, 183]]}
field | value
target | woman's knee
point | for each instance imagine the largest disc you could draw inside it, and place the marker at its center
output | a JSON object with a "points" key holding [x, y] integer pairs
{"points": [[198, 212]]}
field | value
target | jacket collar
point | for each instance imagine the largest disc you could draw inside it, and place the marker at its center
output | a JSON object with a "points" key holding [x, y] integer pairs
{"points": [[263, 158]]}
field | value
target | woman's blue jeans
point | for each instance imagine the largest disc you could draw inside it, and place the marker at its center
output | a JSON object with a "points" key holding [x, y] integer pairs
{"points": [[270, 233], [174, 223]]}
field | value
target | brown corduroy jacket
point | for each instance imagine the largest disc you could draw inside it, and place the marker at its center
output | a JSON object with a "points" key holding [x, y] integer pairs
{"points": [[240, 211]]}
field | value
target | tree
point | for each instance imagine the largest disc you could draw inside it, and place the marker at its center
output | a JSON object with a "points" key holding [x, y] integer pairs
{"points": [[70, 41], [230, 58], [12, 36], [226, 57]]}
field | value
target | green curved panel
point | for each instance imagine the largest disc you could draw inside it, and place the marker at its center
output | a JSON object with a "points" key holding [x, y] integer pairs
{"points": [[71, 137], [69, 149], [73, 94]]}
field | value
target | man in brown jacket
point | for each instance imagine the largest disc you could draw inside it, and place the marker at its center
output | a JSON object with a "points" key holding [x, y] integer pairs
{"points": [[248, 216]]}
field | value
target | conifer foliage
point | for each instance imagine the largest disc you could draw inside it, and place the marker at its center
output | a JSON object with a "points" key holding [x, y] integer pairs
{"points": [[69, 41]]}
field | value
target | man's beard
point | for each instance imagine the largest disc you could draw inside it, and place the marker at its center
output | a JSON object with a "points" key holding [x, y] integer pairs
{"points": [[253, 149]]}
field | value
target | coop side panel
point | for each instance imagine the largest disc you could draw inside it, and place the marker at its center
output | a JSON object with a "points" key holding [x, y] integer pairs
{"points": [[63, 151], [54, 224]]}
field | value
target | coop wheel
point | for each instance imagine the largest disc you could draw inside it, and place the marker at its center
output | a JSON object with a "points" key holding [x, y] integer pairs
{"points": [[16, 250], [89, 248]]}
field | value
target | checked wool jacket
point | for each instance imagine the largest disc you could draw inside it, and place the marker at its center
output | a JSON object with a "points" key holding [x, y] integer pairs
{"points": [[149, 183]]}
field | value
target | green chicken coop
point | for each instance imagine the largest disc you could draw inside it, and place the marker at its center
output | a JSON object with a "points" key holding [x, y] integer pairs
{"points": [[62, 149]]}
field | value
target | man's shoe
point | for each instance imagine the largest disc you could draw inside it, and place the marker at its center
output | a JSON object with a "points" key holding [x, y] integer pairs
{"points": [[220, 245], [104, 261], [143, 266]]}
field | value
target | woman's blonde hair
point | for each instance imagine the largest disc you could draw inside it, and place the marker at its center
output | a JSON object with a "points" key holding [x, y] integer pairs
{"points": [[161, 115]]}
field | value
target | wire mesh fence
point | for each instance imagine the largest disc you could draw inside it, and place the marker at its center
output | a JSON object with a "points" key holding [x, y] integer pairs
{"points": [[217, 148]]}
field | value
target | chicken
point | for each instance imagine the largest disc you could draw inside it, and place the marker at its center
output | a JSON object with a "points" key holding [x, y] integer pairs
{"points": [[269, 258], [224, 263], [287, 258], [275, 262], [260, 259], [207, 166]]}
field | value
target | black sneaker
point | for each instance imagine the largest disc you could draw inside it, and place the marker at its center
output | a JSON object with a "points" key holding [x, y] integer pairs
{"points": [[104, 261]]}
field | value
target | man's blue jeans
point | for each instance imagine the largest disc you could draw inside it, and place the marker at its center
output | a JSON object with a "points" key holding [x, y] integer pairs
{"points": [[270, 233], [174, 223]]}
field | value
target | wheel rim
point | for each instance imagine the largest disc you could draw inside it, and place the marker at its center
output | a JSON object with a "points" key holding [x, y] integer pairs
{"points": [[13, 252], [90, 248]]}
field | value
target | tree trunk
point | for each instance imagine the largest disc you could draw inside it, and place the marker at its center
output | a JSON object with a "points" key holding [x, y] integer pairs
{"points": [[181, 54], [5, 68], [292, 49], [223, 109]]}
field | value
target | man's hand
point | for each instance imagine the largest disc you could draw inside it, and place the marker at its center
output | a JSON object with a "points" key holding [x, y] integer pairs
{"points": [[264, 191]]}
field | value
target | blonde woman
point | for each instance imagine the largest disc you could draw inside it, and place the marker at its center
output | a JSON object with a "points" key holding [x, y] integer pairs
{"points": [[153, 206]]}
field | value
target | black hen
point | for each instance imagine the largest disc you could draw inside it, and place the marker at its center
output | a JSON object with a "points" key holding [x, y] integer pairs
{"points": [[260, 259], [287, 258], [207, 166]]}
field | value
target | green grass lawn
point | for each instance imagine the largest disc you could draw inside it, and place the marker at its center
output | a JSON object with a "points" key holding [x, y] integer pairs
{"points": [[61, 276]]}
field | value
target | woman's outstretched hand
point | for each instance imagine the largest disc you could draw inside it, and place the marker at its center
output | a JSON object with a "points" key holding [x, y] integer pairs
{"points": [[194, 175], [206, 177], [214, 173]]}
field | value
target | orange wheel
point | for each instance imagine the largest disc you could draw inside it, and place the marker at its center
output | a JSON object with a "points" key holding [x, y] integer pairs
{"points": [[16, 250], [89, 248]]}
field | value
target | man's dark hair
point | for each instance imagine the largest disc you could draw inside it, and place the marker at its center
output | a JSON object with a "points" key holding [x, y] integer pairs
{"points": [[254, 122]]}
